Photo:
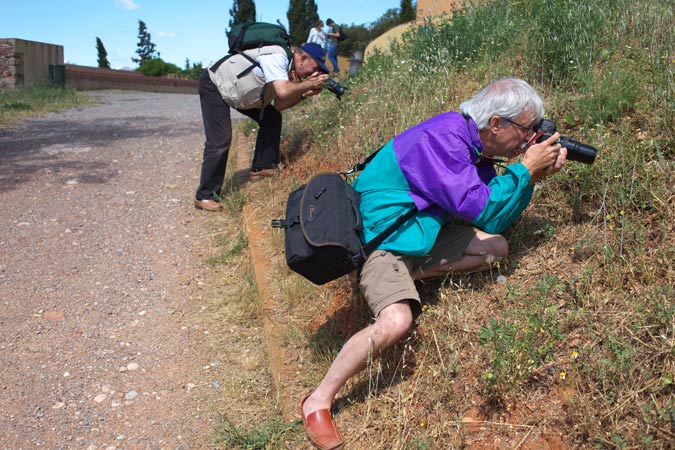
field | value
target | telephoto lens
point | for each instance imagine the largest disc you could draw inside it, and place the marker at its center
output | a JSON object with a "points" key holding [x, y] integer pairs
{"points": [[336, 88], [576, 151]]}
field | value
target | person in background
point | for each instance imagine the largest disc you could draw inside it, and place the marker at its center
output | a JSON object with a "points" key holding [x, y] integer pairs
{"points": [[260, 91], [317, 35], [444, 167], [333, 44]]}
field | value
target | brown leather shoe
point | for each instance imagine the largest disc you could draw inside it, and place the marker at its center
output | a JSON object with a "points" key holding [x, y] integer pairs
{"points": [[208, 205], [321, 429], [264, 173]]}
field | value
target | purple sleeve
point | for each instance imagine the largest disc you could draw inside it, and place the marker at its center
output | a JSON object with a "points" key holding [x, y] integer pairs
{"points": [[437, 159]]}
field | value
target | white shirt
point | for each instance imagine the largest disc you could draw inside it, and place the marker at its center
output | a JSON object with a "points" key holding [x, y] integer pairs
{"points": [[316, 37], [274, 67]]}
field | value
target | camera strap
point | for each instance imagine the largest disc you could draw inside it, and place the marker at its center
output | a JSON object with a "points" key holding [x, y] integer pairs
{"points": [[479, 155]]}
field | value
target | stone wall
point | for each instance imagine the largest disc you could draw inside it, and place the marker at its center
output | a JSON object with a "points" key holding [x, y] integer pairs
{"points": [[26, 63]]}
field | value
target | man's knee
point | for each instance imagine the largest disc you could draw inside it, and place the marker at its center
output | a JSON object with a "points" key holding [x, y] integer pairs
{"points": [[499, 246], [395, 321], [492, 246]]}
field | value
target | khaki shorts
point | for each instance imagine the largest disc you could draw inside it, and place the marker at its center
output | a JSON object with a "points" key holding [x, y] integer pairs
{"points": [[387, 278]]}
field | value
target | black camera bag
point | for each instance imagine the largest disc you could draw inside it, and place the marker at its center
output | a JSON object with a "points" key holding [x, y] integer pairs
{"points": [[322, 229], [322, 224]]}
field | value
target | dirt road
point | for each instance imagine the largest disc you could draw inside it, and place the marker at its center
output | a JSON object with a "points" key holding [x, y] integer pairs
{"points": [[104, 339]]}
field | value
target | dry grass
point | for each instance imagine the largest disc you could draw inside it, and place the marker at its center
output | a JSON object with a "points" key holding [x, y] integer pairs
{"points": [[573, 346]]}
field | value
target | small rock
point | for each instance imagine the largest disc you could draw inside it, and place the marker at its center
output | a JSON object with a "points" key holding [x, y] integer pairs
{"points": [[130, 395], [132, 366], [100, 398]]}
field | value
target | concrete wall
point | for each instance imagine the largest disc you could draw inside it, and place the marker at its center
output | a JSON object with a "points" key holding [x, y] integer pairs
{"points": [[85, 78], [26, 63]]}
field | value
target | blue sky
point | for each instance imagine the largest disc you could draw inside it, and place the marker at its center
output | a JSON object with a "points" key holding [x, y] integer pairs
{"points": [[180, 29]]}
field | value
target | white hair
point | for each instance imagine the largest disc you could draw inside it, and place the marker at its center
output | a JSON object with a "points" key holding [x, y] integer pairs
{"points": [[505, 97]]}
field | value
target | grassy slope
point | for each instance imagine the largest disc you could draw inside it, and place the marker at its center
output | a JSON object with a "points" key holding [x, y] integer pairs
{"points": [[573, 347]]}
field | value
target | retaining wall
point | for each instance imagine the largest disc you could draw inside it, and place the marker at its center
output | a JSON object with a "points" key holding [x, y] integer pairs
{"points": [[85, 78]]}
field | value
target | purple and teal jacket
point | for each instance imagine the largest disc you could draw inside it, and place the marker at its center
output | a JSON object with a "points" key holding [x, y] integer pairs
{"points": [[435, 166]]}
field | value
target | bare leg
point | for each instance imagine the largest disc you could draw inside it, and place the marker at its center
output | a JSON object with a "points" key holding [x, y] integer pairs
{"points": [[482, 251], [392, 324]]}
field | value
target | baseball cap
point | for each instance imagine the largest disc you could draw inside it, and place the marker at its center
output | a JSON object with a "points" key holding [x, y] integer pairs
{"points": [[317, 53]]}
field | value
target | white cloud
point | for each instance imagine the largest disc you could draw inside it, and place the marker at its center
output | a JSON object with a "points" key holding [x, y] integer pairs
{"points": [[167, 34], [126, 4]]}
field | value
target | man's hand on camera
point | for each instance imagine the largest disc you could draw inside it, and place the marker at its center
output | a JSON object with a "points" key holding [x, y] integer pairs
{"points": [[545, 158], [316, 82]]}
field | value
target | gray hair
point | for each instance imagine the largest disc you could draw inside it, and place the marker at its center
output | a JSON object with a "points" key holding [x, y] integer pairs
{"points": [[505, 97]]}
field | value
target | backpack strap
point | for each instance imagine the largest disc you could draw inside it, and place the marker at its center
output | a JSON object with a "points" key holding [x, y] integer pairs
{"points": [[379, 239], [217, 64], [358, 167]]}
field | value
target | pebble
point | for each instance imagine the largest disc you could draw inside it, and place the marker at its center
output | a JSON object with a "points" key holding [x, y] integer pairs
{"points": [[132, 366], [130, 395], [100, 398]]}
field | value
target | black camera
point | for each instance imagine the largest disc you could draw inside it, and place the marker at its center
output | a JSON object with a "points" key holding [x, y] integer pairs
{"points": [[576, 151], [336, 88]]}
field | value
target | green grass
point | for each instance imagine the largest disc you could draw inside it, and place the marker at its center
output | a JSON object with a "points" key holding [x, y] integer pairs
{"points": [[271, 435], [20, 104]]}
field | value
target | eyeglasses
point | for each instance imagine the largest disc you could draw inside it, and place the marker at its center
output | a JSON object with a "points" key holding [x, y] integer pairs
{"points": [[528, 130]]}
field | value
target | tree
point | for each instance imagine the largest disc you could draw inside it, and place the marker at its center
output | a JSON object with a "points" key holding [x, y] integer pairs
{"points": [[241, 11], [408, 12], [102, 55], [302, 16], [157, 67], [193, 71], [146, 49], [312, 16]]}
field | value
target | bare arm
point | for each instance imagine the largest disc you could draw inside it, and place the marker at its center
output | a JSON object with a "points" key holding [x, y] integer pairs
{"points": [[290, 93]]}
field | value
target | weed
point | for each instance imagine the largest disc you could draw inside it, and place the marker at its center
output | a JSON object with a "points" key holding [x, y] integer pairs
{"points": [[270, 435], [20, 104], [227, 255], [249, 127], [523, 339]]}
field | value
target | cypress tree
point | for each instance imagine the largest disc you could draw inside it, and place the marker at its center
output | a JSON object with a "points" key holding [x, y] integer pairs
{"points": [[295, 14], [408, 12], [312, 15], [146, 49], [241, 11], [102, 55]]}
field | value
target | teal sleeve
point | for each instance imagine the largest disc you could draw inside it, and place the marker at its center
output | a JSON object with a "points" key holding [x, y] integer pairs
{"points": [[509, 196]]}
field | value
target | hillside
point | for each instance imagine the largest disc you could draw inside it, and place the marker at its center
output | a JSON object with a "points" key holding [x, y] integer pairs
{"points": [[570, 343]]}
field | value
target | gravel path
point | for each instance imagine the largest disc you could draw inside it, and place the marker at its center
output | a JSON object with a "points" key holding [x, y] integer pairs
{"points": [[104, 340]]}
